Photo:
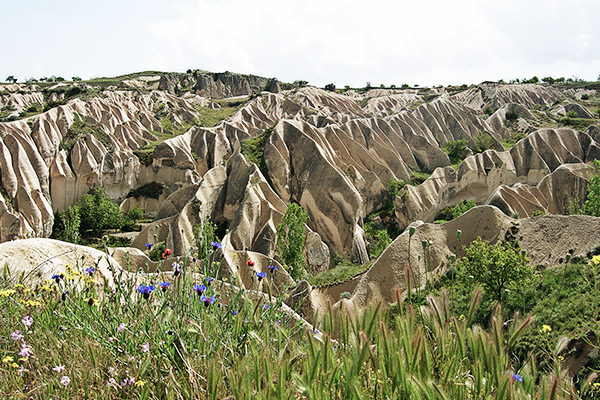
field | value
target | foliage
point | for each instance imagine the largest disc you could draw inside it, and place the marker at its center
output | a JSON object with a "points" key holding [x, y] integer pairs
{"points": [[253, 149], [122, 345], [330, 87], [290, 240], [378, 238], [97, 211], [576, 123], [495, 266], [488, 110], [66, 225], [591, 205], [455, 149], [483, 141], [342, 272], [212, 116], [508, 143], [204, 235], [452, 212], [394, 188], [157, 250], [151, 190], [572, 114], [135, 214], [511, 115]]}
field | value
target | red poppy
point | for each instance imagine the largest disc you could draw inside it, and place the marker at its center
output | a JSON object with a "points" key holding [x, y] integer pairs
{"points": [[166, 253], [250, 263]]}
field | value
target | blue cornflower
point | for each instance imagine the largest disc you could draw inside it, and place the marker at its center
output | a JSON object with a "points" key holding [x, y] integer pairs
{"points": [[517, 378], [90, 270], [145, 290], [57, 277], [199, 289], [164, 285], [209, 280], [216, 245], [234, 312], [208, 300], [149, 246], [260, 275], [272, 268], [266, 306]]}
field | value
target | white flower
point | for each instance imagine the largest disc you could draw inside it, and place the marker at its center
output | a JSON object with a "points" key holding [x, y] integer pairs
{"points": [[58, 368], [65, 380]]}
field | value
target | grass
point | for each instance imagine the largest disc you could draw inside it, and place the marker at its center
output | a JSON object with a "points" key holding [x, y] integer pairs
{"points": [[82, 128], [209, 117], [340, 273], [578, 123], [140, 342]]}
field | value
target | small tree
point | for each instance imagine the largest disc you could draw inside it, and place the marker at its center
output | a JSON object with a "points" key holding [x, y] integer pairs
{"points": [[11, 79], [97, 211], [290, 240], [66, 225], [455, 149], [591, 205], [495, 266]]}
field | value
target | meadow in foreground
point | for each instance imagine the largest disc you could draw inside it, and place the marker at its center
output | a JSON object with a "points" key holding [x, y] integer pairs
{"points": [[177, 336]]}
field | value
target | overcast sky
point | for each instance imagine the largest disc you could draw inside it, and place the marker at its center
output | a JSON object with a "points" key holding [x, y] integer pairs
{"points": [[346, 42]]}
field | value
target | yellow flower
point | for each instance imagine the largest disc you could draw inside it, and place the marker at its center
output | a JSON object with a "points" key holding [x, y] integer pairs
{"points": [[14, 365], [595, 260], [546, 328], [7, 292], [31, 303], [47, 288], [140, 383], [19, 286], [7, 359]]}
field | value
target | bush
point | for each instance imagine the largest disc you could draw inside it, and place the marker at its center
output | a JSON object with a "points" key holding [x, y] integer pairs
{"points": [[66, 225], [495, 266], [379, 239], [512, 115], [488, 110], [452, 212], [97, 211], [483, 141], [290, 240], [454, 149], [151, 190], [591, 205], [585, 97], [253, 149]]}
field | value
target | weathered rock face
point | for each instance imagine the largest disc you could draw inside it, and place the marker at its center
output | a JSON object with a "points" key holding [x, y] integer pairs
{"points": [[546, 239], [215, 85], [529, 162]]}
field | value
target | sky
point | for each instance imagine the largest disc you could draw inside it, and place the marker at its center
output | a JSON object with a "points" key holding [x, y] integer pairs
{"points": [[345, 42]]}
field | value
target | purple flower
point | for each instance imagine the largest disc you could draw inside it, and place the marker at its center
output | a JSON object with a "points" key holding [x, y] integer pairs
{"points": [[146, 347], [149, 246], [145, 290], [216, 245], [176, 268], [26, 350], [272, 268], [164, 285], [65, 380], [260, 275], [208, 300], [199, 289], [16, 335], [58, 368], [121, 327], [90, 271], [27, 321], [57, 277], [266, 306], [234, 312], [517, 378], [209, 280]]}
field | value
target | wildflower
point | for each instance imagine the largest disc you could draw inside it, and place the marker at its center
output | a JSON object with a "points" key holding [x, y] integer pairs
{"points": [[20, 371], [90, 271], [14, 365], [65, 380], [176, 268], [260, 275], [16, 335], [64, 295], [121, 327], [145, 290], [26, 350], [250, 263], [92, 302], [272, 268], [209, 280], [112, 383], [140, 383], [32, 303], [517, 378], [46, 288], [146, 347], [546, 329], [58, 368], [595, 260], [164, 285], [27, 321], [7, 292], [199, 289], [208, 300], [216, 245], [127, 381], [266, 306], [7, 359], [149, 246], [166, 253], [234, 312]]}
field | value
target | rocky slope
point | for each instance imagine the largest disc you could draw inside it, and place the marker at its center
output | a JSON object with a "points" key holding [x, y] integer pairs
{"points": [[332, 153]]}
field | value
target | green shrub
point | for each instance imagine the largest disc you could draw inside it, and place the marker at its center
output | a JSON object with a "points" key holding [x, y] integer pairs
{"points": [[66, 225], [253, 149], [290, 240], [82, 128], [455, 149], [157, 250], [572, 114], [378, 238], [488, 110], [452, 212], [512, 115], [483, 141], [585, 97], [97, 211], [591, 205], [496, 266]]}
